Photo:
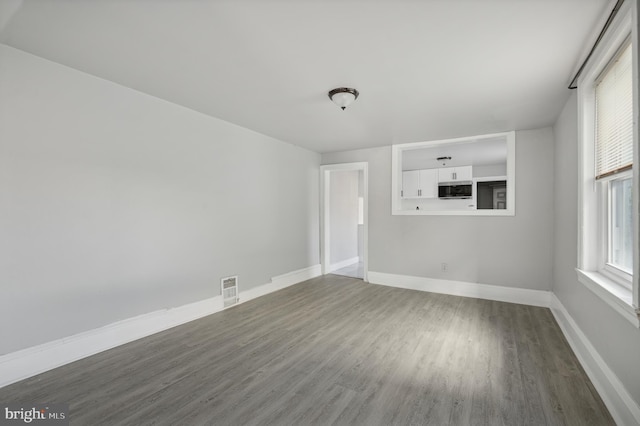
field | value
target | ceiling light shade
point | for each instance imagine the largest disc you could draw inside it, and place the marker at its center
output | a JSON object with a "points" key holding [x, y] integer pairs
{"points": [[343, 96]]}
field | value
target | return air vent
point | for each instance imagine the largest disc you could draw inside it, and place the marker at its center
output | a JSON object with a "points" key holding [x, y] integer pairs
{"points": [[229, 287]]}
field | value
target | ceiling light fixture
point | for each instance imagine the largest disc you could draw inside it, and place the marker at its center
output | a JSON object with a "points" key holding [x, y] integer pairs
{"points": [[343, 96]]}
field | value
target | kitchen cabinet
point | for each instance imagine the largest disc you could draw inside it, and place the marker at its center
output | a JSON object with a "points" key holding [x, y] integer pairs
{"points": [[420, 183], [455, 174], [429, 183], [411, 184]]}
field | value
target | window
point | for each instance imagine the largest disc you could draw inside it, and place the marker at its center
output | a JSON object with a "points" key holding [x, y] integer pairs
{"points": [[620, 226], [614, 160], [614, 116], [607, 134]]}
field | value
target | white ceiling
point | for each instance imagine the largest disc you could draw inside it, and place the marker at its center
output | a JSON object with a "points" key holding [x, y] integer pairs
{"points": [[425, 70]]}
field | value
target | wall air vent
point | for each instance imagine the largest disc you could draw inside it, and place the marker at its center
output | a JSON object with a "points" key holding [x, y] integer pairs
{"points": [[229, 289]]}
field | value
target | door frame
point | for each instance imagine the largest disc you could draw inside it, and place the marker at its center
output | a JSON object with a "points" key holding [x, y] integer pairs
{"points": [[325, 225]]}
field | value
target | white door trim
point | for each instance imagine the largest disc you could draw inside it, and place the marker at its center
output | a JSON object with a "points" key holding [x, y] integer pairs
{"points": [[325, 226]]}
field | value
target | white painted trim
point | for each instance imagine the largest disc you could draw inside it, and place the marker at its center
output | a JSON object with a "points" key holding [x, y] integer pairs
{"points": [[613, 294], [636, 152], [479, 212], [344, 263], [325, 226], [460, 288], [591, 207], [620, 403], [623, 408], [28, 362], [280, 282]]}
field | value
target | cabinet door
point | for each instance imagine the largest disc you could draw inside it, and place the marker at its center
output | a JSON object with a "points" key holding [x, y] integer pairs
{"points": [[429, 183], [464, 173], [454, 174], [410, 183], [446, 174]]}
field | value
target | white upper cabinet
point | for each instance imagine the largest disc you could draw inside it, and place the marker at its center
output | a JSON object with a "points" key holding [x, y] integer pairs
{"points": [[455, 174], [411, 184], [420, 183], [429, 183]]}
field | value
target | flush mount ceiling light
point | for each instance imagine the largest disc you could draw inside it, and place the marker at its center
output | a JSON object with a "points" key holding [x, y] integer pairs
{"points": [[343, 96]]}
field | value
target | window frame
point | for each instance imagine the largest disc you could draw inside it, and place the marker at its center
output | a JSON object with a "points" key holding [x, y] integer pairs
{"points": [[613, 286], [611, 271]]}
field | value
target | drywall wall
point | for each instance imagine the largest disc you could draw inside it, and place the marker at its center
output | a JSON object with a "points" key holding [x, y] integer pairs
{"points": [[343, 215], [114, 203], [490, 170], [361, 226], [616, 339], [507, 251]]}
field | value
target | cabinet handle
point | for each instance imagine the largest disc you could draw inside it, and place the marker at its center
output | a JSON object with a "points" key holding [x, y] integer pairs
{"points": [[401, 193], [455, 176], [419, 191]]}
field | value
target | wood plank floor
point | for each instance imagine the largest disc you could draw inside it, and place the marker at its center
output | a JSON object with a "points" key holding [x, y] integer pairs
{"points": [[335, 350]]}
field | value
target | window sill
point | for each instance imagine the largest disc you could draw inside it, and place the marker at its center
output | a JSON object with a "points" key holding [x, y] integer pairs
{"points": [[614, 294]]}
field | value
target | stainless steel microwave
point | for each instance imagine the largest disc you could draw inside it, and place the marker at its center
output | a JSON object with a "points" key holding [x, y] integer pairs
{"points": [[452, 190]]}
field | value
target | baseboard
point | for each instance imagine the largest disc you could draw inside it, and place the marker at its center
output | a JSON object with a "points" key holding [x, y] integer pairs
{"points": [[28, 362], [344, 263], [460, 288], [281, 281], [623, 409]]}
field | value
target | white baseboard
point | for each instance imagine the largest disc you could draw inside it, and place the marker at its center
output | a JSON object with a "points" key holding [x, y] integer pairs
{"points": [[28, 362], [344, 263], [281, 281], [623, 408], [460, 288]]}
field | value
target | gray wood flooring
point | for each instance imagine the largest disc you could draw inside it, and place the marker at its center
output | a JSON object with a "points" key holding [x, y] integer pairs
{"points": [[355, 270], [335, 350]]}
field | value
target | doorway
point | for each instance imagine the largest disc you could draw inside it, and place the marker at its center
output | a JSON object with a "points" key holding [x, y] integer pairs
{"points": [[344, 219]]}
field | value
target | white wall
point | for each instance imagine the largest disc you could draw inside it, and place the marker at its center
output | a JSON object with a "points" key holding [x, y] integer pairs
{"points": [[506, 251], [114, 203], [343, 215], [490, 170], [361, 227], [616, 339]]}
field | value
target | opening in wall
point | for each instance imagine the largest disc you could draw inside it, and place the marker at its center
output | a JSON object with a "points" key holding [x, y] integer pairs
{"points": [[464, 176]]}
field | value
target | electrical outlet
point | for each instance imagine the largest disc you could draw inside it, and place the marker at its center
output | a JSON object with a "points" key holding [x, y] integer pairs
{"points": [[444, 267]]}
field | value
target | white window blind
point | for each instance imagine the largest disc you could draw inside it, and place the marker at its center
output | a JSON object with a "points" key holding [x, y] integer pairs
{"points": [[614, 116]]}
